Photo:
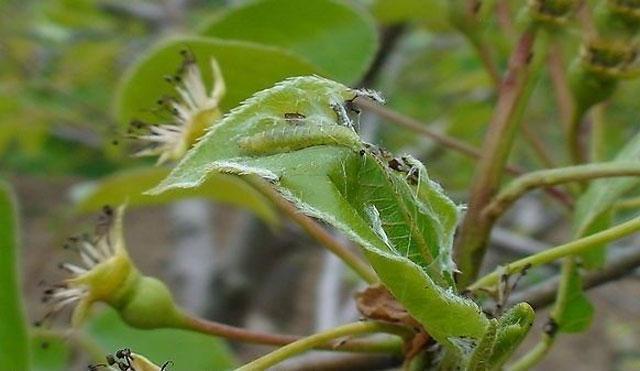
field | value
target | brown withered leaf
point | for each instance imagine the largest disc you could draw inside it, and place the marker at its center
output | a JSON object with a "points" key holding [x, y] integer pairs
{"points": [[377, 303]]}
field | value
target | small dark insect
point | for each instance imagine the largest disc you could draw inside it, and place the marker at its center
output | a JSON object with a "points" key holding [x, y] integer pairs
{"points": [[395, 164], [294, 117], [403, 165]]}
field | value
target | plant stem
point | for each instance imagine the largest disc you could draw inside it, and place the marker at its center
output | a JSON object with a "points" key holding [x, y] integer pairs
{"points": [[465, 15], [319, 339], [545, 178], [558, 76], [541, 295], [256, 337], [420, 128], [574, 143], [484, 52], [315, 230], [598, 133], [533, 356], [629, 203], [538, 146], [513, 95], [571, 248]]}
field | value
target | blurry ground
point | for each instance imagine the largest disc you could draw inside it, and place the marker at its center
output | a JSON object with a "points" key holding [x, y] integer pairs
{"points": [[284, 287]]}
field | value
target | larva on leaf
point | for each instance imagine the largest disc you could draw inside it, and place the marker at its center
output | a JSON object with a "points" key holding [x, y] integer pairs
{"points": [[283, 140]]}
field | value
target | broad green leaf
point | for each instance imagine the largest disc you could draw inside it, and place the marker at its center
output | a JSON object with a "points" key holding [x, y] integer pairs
{"points": [[573, 311], [129, 185], [339, 38], [14, 345], [187, 350], [50, 353], [593, 208], [388, 205], [246, 68], [432, 13]]}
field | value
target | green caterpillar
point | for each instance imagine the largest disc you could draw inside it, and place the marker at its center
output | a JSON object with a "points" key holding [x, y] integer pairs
{"points": [[287, 139]]}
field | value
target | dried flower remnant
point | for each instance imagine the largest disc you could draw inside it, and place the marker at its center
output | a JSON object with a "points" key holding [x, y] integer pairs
{"points": [[191, 113], [108, 275], [126, 360]]}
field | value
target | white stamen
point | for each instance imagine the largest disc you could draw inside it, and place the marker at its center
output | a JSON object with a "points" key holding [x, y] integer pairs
{"points": [[168, 140], [73, 268], [61, 304], [67, 293], [88, 262], [91, 251]]}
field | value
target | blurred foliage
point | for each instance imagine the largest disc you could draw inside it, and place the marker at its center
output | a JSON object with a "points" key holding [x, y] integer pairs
{"points": [[50, 352]]}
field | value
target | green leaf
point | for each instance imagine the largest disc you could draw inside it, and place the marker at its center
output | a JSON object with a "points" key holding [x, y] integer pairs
{"points": [[187, 350], [432, 13], [50, 353], [573, 312], [388, 205], [129, 185], [337, 37], [593, 208], [246, 68], [14, 354]]}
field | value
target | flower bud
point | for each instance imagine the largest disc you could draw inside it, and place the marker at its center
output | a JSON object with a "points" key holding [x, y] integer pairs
{"points": [[108, 275]]}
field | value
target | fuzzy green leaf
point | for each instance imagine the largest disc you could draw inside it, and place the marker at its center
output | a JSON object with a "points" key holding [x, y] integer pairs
{"points": [[14, 351], [246, 68], [388, 205], [339, 38], [129, 185]]}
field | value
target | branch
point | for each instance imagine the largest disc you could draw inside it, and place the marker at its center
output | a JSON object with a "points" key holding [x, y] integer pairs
{"points": [[572, 248], [538, 146], [546, 178], [512, 99], [313, 341], [418, 127], [542, 295], [558, 75], [315, 230], [257, 337], [341, 362], [388, 40], [515, 243]]}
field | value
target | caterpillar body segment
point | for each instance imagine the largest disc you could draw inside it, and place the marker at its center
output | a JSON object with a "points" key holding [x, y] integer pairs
{"points": [[283, 140]]}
